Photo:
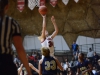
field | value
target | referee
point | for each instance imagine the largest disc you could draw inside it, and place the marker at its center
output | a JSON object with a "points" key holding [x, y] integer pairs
{"points": [[10, 32]]}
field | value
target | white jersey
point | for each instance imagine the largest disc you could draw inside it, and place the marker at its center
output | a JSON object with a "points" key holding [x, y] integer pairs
{"points": [[48, 42]]}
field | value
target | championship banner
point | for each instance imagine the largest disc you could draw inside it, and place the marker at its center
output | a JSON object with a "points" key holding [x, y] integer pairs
{"points": [[31, 4], [76, 1], [65, 1], [42, 2], [53, 2], [20, 5]]}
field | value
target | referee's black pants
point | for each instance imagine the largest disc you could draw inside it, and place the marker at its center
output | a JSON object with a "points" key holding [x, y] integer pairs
{"points": [[7, 66]]}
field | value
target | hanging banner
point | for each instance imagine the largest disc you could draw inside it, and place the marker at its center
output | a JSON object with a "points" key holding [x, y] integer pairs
{"points": [[20, 5], [37, 3], [76, 1], [42, 2], [53, 2], [65, 1], [31, 4]]}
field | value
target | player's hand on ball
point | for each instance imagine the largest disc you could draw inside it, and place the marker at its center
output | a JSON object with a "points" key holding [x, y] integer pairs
{"points": [[43, 16]]}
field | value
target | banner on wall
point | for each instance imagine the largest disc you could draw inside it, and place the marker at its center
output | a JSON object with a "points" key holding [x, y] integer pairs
{"points": [[42, 2], [76, 1], [31, 4], [65, 1], [20, 5], [37, 3], [53, 2]]}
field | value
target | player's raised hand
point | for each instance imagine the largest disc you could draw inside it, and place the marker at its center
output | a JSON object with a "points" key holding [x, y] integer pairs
{"points": [[53, 19]]}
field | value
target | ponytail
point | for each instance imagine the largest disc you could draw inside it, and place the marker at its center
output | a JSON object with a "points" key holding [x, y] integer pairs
{"points": [[3, 3]]}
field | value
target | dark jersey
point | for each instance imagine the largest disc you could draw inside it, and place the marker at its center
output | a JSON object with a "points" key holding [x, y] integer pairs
{"points": [[49, 66], [84, 66], [8, 29]]}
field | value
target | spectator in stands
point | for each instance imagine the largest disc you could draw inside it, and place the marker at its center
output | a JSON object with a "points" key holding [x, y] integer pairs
{"points": [[16, 60], [72, 62], [76, 57], [98, 68], [66, 65], [94, 70], [95, 59], [87, 59], [90, 54], [38, 55], [70, 71], [75, 48], [73, 65], [61, 73], [31, 57], [34, 54]]}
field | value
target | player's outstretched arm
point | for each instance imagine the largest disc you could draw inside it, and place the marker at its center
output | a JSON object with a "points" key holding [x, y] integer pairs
{"points": [[32, 67], [42, 37], [55, 27], [21, 52], [58, 64], [39, 67]]}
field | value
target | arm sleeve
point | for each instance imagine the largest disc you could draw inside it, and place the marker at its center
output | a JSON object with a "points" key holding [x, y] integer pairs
{"points": [[15, 28]]}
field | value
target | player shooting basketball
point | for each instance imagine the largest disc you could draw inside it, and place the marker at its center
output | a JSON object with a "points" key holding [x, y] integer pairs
{"points": [[46, 40]]}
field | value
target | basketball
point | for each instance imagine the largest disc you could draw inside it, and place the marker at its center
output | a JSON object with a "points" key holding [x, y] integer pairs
{"points": [[43, 10]]}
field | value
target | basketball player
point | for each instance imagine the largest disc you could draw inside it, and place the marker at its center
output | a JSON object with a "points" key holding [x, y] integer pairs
{"points": [[25, 72], [48, 65], [10, 31], [83, 67], [46, 40]]}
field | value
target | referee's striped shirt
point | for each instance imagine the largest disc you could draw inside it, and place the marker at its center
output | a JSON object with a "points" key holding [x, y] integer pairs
{"points": [[8, 28]]}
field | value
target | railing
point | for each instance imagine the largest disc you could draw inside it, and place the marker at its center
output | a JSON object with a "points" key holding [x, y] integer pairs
{"points": [[85, 48]]}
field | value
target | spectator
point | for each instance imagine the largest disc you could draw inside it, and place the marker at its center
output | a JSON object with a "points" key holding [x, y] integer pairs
{"points": [[16, 60], [72, 62], [98, 68], [75, 48], [38, 55], [34, 54], [31, 58], [87, 59], [70, 71], [65, 66], [90, 54], [73, 65], [95, 59], [94, 70], [76, 57]]}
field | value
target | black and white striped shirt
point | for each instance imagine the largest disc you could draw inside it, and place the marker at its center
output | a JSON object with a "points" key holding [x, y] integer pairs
{"points": [[8, 28]]}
